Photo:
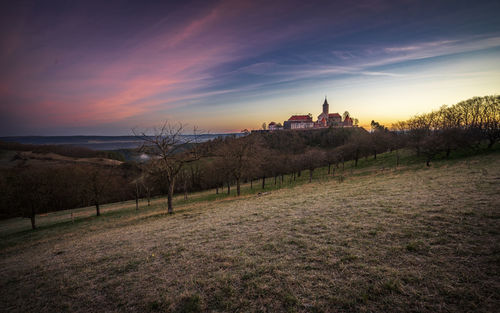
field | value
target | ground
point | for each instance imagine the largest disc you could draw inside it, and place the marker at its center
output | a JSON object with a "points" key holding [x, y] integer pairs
{"points": [[411, 239]]}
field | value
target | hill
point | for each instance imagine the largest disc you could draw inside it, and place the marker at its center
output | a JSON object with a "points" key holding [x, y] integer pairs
{"points": [[409, 239], [28, 158], [14, 154]]}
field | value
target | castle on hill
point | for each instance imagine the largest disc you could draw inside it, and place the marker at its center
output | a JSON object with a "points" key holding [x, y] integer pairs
{"points": [[325, 120]]}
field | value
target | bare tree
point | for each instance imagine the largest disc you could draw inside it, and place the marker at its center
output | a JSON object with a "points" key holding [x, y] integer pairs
{"points": [[332, 156], [379, 138], [431, 146], [136, 180], [419, 127], [237, 156], [214, 176], [97, 182], [265, 164], [492, 119], [345, 114], [311, 159], [171, 150], [32, 192], [185, 181], [358, 145], [146, 180]]}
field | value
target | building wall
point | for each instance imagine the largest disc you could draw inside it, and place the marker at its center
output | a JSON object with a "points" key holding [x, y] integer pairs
{"points": [[334, 121], [301, 125], [322, 115]]}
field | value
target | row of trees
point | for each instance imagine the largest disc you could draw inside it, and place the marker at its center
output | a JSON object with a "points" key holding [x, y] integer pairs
{"points": [[30, 190], [231, 161], [466, 125], [177, 165], [181, 164]]}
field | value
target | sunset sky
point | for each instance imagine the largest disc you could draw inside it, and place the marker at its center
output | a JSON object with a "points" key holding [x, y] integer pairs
{"points": [[105, 67]]}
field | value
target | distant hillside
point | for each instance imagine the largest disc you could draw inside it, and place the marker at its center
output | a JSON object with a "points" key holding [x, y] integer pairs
{"points": [[97, 142], [63, 150], [29, 158]]}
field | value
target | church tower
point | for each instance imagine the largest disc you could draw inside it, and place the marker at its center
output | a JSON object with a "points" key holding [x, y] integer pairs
{"points": [[325, 107]]}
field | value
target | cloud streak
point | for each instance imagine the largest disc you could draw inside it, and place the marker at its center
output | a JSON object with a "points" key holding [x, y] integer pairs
{"points": [[67, 65]]}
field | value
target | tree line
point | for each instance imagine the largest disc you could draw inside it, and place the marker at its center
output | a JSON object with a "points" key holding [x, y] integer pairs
{"points": [[180, 165], [468, 124]]}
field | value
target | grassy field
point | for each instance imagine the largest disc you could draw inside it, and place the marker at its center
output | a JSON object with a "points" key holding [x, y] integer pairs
{"points": [[366, 166], [411, 239]]}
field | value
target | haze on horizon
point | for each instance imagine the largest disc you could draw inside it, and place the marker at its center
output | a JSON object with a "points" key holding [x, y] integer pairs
{"points": [[105, 67]]}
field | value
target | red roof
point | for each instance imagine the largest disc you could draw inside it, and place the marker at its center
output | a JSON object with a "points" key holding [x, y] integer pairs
{"points": [[334, 115], [305, 118]]}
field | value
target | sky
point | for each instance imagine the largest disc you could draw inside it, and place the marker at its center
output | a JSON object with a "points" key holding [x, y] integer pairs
{"points": [[107, 67]]}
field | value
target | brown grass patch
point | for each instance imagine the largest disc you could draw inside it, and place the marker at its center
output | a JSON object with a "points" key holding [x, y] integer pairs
{"points": [[421, 241]]}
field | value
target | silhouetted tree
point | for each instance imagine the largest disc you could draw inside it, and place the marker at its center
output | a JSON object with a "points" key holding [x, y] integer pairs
{"points": [[331, 157], [345, 114], [312, 159], [146, 180], [31, 192], [170, 152], [97, 184], [238, 155], [379, 138]]}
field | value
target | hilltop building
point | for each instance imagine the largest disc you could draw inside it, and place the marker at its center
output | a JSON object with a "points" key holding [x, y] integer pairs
{"points": [[274, 126], [325, 119], [299, 122], [348, 121]]}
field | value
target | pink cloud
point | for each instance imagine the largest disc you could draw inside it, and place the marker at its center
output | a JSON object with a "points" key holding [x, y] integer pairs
{"points": [[151, 72]]}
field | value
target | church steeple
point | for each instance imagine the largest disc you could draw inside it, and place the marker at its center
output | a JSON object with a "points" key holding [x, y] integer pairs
{"points": [[326, 107]]}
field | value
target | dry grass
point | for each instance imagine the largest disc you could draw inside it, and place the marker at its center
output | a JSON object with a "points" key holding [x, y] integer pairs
{"points": [[421, 241]]}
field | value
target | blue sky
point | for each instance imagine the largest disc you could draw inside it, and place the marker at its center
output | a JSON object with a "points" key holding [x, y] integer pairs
{"points": [[104, 68]]}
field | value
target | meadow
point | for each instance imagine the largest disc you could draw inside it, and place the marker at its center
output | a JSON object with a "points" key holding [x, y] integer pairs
{"points": [[374, 238]]}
